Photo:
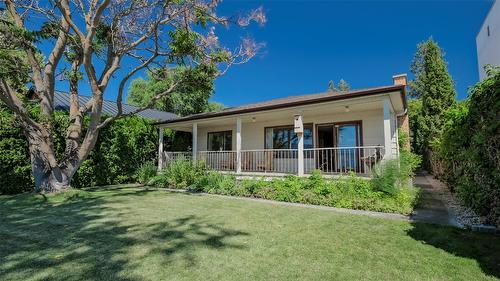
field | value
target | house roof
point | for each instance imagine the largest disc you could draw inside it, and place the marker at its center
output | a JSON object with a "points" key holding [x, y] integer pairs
{"points": [[293, 101], [61, 102]]}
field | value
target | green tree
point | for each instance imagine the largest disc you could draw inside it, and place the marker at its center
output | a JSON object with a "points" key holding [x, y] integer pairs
{"points": [[415, 117], [434, 88], [343, 86], [191, 96], [105, 42], [215, 106], [331, 86]]}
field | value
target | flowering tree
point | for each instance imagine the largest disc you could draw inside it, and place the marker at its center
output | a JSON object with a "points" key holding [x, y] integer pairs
{"points": [[94, 42]]}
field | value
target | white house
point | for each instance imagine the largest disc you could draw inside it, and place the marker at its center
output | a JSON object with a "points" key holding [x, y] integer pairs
{"points": [[331, 131], [488, 40]]}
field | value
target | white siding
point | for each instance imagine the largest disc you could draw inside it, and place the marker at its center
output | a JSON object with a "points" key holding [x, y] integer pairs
{"points": [[252, 133], [488, 45]]}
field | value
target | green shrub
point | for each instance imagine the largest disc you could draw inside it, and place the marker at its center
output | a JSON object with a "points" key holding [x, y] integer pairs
{"points": [[160, 180], [390, 175], [253, 186], [385, 176], [120, 150], [146, 172], [183, 173], [466, 155], [345, 192], [348, 191], [409, 163], [15, 165]]}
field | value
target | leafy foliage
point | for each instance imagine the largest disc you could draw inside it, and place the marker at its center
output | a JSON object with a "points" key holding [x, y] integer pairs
{"points": [[120, 150], [190, 97], [179, 174], [390, 175], [343, 86], [13, 61], [467, 153], [434, 88], [146, 172], [346, 192], [15, 165]]}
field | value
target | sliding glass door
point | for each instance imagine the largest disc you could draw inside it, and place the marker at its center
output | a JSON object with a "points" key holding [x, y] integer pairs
{"points": [[342, 138]]}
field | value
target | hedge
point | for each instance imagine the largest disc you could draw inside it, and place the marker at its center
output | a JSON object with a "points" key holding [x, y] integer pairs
{"points": [[467, 154], [121, 149], [387, 191]]}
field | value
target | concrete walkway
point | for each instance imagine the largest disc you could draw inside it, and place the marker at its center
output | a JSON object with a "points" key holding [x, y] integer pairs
{"points": [[431, 207]]}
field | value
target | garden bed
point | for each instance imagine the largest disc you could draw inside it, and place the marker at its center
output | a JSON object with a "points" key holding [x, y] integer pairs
{"points": [[388, 191]]}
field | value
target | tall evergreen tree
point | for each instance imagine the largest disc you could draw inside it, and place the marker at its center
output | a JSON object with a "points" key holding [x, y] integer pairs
{"points": [[331, 86], [434, 87], [344, 86]]}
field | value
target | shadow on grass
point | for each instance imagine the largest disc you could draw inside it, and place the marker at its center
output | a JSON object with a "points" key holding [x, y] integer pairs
{"points": [[81, 237], [483, 248]]}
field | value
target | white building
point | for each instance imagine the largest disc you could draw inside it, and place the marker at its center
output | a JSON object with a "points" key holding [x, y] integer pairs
{"points": [[488, 40]]}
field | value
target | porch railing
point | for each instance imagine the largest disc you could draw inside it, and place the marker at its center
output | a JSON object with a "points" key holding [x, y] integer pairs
{"points": [[334, 160], [269, 160], [169, 157], [341, 160], [218, 160]]}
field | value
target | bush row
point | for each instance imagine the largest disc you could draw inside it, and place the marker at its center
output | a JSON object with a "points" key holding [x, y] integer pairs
{"points": [[120, 150], [388, 191], [467, 153]]}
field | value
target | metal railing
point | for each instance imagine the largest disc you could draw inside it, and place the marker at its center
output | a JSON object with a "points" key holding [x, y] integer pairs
{"points": [[341, 160], [269, 160], [218, 160], [170, 157], [331, 160]]}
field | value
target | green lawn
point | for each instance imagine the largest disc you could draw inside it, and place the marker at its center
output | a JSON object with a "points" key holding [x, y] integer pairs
{"points": [[134, 234]]}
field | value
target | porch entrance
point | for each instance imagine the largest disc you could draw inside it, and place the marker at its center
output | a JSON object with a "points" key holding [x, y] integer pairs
{"points": [[340, 142]]}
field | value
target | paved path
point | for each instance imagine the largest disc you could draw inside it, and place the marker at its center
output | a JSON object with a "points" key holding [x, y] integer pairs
{"points": [[431, 207]]}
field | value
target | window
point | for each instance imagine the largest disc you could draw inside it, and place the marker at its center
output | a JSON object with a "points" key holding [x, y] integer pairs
{"points": [[286, 138], [488, 30], [220, 141]]}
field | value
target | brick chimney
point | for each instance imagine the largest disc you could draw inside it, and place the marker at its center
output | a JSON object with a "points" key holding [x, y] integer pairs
{"points": [[400, 79], [403, 122]]}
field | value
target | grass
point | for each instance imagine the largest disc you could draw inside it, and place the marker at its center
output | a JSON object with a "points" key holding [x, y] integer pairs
{"points": [[130, 233]]}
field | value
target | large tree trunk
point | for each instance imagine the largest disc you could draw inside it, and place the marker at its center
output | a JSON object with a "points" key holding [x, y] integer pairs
{"points": [[47, 178], [49, 174]]}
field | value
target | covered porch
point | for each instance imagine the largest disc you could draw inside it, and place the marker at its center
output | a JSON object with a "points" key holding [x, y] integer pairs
{"points": [[336, 137]]}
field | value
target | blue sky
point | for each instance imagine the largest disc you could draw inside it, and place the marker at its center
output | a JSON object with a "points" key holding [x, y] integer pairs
{"points": [[363, 42], [309, 43]]}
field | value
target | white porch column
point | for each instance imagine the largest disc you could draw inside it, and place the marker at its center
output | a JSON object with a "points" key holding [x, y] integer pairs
{"points": [[387, 129], [195, 141], [300, 156], [238, 145], [160, 148], [299, 130]]}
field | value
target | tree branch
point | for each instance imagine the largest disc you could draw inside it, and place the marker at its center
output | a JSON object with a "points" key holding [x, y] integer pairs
{"points": [[149, 105], [8, 96]]}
